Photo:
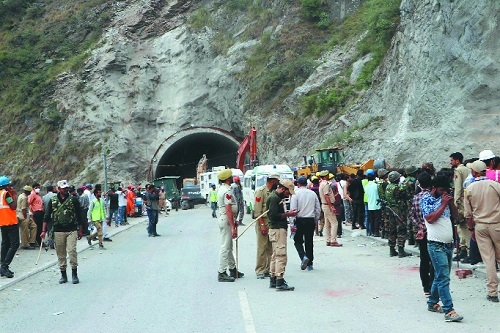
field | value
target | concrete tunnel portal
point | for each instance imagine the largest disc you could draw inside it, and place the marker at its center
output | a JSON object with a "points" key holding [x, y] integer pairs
{"points": [[180, 153]]}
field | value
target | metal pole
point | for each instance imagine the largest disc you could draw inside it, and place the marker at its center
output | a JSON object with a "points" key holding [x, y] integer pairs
{"points": [[105, 173]]}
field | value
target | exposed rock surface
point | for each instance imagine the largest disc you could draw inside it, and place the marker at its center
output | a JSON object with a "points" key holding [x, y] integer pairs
{"points": [[436, 92]]}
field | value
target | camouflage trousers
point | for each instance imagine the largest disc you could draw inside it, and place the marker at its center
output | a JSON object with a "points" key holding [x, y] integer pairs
{"points": [[396, 230]]}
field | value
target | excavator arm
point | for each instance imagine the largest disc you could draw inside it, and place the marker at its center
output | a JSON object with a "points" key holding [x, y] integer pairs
{"points": [[248, 145]]}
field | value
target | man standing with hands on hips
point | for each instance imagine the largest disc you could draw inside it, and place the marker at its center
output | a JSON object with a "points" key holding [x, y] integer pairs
{"points": [[8, 226], [228, 227]]}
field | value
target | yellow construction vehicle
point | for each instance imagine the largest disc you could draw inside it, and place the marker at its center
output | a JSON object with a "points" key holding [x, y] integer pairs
{"points": [[332, 159]]}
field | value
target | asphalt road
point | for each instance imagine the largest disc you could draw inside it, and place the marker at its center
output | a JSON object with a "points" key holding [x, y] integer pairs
{"points": [[169, 284]]}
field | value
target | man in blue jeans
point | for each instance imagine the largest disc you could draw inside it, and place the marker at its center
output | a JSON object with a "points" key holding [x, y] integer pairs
{"points": [[438, 208]]}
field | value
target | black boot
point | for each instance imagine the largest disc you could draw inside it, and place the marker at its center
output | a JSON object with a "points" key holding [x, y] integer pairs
{"points": [[223, 277], [393, 252], [4, 271], [462, 254], [281, 285], [64, 277], [75, 276], [272, 282], [232, 273], [402, 252]]}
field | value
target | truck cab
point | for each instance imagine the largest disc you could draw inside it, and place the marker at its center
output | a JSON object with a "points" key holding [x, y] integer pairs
{"points": [[257, 177]]}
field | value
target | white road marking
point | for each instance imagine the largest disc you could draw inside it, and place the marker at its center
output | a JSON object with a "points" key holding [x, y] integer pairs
{"points": [[247, 315]]}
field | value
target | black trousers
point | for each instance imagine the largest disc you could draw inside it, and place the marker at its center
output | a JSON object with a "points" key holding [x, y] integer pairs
{"points": [[426, 269], [38, 218], [374, 216], [304, 234], [358, 210], [10, 243]]}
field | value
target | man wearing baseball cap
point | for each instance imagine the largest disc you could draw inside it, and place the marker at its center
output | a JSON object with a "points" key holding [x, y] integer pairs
{"points": [[278, 225], [482, 212], [67, 222]]}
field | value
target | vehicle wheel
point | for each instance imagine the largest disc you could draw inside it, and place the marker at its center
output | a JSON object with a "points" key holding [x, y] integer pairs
{"points": [[184, 205]]}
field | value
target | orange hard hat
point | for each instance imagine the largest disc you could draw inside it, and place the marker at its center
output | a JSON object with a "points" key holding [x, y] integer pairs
{"points": [[236, 179]]}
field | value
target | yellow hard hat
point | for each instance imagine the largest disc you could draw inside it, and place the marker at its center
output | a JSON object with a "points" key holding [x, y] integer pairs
{"points": [[330, 175], [317, 174], [313, 178]]}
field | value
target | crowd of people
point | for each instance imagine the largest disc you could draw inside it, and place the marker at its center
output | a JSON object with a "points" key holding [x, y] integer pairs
{"points": [[66, 214], [453, 209]]}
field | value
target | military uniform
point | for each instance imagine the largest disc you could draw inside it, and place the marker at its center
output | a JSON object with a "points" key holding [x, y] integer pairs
{"points": [[384, 216], [409, 188], [225, 197], [264, 247], [396, 198]]}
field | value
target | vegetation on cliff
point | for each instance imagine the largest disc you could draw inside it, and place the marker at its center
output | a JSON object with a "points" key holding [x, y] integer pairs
{"points": [[38, 42]]}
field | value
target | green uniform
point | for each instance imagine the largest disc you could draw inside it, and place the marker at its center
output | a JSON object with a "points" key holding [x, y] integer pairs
{"points": [[384, 217], [396, 200]]}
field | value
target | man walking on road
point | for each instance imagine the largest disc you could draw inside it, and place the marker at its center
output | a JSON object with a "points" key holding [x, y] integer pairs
{"points": [[96, 216], [228, 227], [213, 200], [278, 225], [306, 203], [152, 197], [8, 226], [65, 212], [482, 211], [437, 208], [264, 247]]}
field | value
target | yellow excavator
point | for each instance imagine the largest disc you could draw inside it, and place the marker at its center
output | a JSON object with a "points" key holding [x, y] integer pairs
{"points": [[332, 159]]}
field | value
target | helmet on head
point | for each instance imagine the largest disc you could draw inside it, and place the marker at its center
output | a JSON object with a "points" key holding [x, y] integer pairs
{"points": [[370, 172], [236, 179], [4, 181], [394, 176]]}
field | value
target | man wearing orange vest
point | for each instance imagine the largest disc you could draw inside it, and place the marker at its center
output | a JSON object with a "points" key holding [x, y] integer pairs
{"points": [[8, 226]]}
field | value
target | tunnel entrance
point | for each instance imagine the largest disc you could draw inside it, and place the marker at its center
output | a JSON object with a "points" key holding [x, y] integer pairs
{"points": [[179, 154]]}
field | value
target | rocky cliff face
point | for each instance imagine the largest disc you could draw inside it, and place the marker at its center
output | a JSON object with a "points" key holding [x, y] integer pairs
{"points": [[151, 76]]}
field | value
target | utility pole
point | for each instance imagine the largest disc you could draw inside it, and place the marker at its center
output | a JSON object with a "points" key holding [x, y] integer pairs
{"points": [[105, 173]]}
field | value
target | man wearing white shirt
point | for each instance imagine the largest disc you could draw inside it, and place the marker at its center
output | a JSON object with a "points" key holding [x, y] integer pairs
{"points": [[306, 203]]}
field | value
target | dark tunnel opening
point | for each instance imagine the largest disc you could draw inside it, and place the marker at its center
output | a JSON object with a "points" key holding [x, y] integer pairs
{"points": [[182, 157]]}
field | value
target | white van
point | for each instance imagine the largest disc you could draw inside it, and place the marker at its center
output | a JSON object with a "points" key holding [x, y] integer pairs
{"points": [[257, 177], [210, 177]]}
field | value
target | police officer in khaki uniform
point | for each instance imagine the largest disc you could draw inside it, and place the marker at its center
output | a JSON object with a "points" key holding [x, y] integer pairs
{"points": [[327, 200], [264, 248], [228, 228], [460, 173]]}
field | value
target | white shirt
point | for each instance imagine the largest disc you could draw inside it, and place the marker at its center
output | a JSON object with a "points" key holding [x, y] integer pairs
{"points": [[122, 201], [306, 202]]}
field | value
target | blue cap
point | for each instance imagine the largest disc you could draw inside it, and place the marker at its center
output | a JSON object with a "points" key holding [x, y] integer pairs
{"points": [[370, 172]]}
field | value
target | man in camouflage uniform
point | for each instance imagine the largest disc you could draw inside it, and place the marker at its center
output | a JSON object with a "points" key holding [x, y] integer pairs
{"points": [[396, 198], [238, 195], [409, 186], [384, 217], [65, 213]]}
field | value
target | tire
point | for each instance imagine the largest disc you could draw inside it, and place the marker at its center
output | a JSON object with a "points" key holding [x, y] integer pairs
{"points": [[185, 205]]}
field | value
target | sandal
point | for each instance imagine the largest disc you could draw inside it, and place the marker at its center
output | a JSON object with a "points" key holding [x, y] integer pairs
{"points": [[435, 308]]}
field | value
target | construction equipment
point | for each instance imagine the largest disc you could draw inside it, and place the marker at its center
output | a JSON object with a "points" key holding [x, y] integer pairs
{"points": [[332, 159], [248, 146]]}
